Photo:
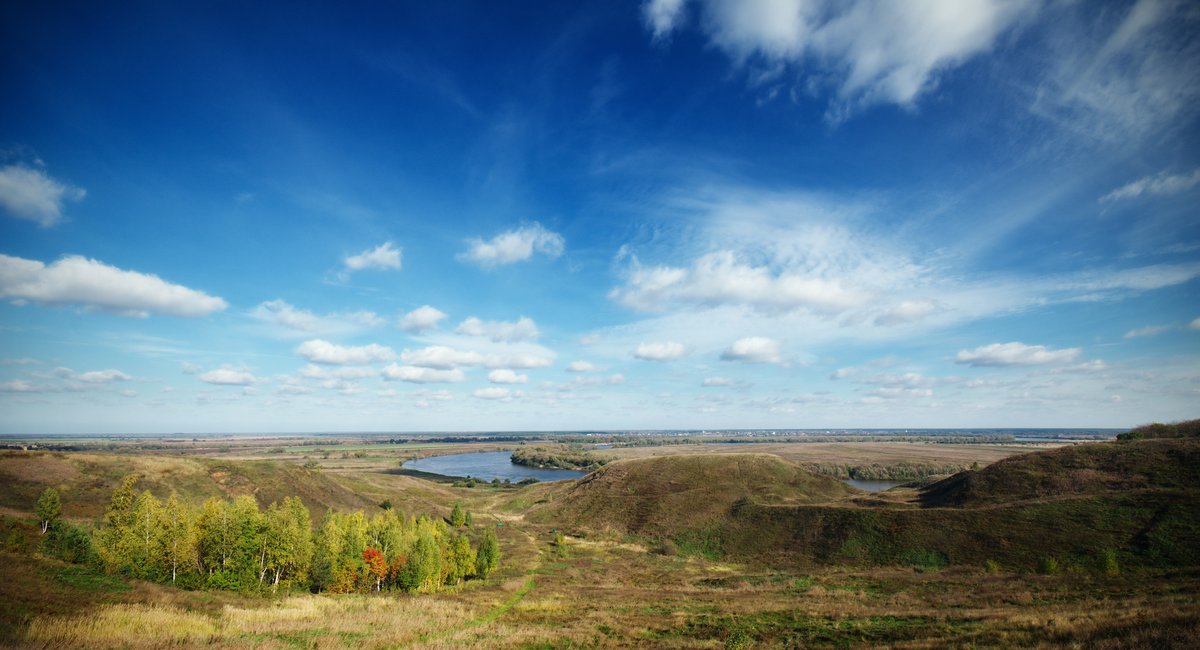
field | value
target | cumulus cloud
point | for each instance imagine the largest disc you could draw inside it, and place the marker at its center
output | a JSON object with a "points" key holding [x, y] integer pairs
{"points": [[19, 386], [718, 382], [103, 376], [500, 331], [514, 246], [383, 257], [660, 351], [1015, 354], [322, 351], [873, 52], [754, 349], [908, 311], [1149, 330], [302, 321], [415, 375], [440, 356], [580, 366], [76, 280], [1194, 325], [506, 376], [616, 379], [422, 319], [1161, 184], [229, 377], [28, 193], [493, 393]]}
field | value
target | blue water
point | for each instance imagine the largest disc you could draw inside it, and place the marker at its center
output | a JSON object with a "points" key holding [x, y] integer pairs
{"points": [[487, 465], [874, 486]]}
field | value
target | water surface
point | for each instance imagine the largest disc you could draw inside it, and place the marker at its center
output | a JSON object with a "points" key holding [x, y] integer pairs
{"points": [[874, 486], [487, 465]]}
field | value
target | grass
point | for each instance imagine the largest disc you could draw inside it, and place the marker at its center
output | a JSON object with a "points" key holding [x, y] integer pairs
{"points": [[776, 561]]}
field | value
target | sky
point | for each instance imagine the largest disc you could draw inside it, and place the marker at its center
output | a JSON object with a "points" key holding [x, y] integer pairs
{"points": [[668, 214]]}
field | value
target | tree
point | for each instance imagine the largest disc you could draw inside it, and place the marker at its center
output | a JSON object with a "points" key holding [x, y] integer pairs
{"points": [[458, 518], [461, 560], [177, 537], [488, 556], [289, 541], [118, 522], [48, 507], [377, 567], [424, 568]]}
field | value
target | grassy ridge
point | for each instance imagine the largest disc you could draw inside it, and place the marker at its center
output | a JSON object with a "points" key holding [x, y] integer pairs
{"points": [[1115, 504]]}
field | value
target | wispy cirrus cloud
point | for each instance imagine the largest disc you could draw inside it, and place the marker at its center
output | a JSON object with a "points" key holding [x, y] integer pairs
{"points": [[1015, 354], [295, 321], [1161, 184]]}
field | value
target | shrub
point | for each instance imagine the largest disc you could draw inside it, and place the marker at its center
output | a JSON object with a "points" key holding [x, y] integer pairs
{"points": [[991, 566], [1111, 567], [1048, 566]]}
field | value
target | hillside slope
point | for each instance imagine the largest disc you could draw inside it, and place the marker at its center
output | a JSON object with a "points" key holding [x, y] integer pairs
{"points": [[86, 481], [663, 496], [1088, 469]]}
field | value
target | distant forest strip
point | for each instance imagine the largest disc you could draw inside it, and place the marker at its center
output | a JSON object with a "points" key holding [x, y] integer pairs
{"points": [[877, 472], [559, 458], [234, 545]]}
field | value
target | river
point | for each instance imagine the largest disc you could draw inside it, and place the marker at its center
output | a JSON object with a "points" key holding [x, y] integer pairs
{"points": [[487, 465]]}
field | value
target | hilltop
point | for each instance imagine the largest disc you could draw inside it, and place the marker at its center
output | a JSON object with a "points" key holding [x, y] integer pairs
{"points": [[664, 496]]}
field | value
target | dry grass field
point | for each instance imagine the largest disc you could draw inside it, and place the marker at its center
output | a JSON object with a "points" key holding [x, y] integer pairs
{"points": [[582, 590]]}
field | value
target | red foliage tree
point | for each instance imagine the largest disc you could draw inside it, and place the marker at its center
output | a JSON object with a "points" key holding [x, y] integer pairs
{"points": [[377, 567]]}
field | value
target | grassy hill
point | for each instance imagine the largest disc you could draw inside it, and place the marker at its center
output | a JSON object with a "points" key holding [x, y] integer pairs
{"points": [[1092, 469], [86, 481], [1130, 503], [667, 496]]}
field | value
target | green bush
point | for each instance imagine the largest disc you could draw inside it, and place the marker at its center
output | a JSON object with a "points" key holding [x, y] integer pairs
{"points": [[991, 566], [1048, 566]]}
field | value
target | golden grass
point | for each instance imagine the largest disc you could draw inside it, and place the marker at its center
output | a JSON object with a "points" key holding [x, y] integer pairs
{"points": [[123, 624]]}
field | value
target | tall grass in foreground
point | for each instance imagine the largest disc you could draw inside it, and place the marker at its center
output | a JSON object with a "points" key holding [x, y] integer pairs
{"points": [[318, 620], [123, 624]]}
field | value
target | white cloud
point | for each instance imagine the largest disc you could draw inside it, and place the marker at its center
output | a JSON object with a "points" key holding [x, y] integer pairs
{"points": [[440, 356], [19, 386], [229, 377], [589, 339], [75, 280], [1161, 184], [383, 257], [908, 311], [506, 376], [1194, 325], [873, 52], [321, 351], [661, 16], [1015, 354], [30, 194], [718, 382], [500, 331], [1149, 330], [422, 319], [302, 321], [660, 351], [514, 246], [754, 349], [495, 393], [415, 375], [580, 366], [616, 379], [1122, 81], [103, 376], [721, 278]]}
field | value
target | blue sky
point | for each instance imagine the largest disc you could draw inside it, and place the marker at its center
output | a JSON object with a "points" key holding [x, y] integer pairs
{"points": [[665, 214]]}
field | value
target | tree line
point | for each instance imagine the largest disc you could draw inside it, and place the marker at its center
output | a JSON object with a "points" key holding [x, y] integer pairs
{"points": [[233, 544]]}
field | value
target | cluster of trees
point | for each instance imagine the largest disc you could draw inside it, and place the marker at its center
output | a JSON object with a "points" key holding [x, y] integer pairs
{"points": [[877, 472], [233, 544], [558, 457]]}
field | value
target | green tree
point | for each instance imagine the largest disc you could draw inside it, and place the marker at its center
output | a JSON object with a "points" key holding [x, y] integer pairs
{"points": [[177, 538], [49, 508], [214, 537], [488, 556], [458, 518], [290, 543], [118, 524], [140, 544], [424, 568], [461, 560]]}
